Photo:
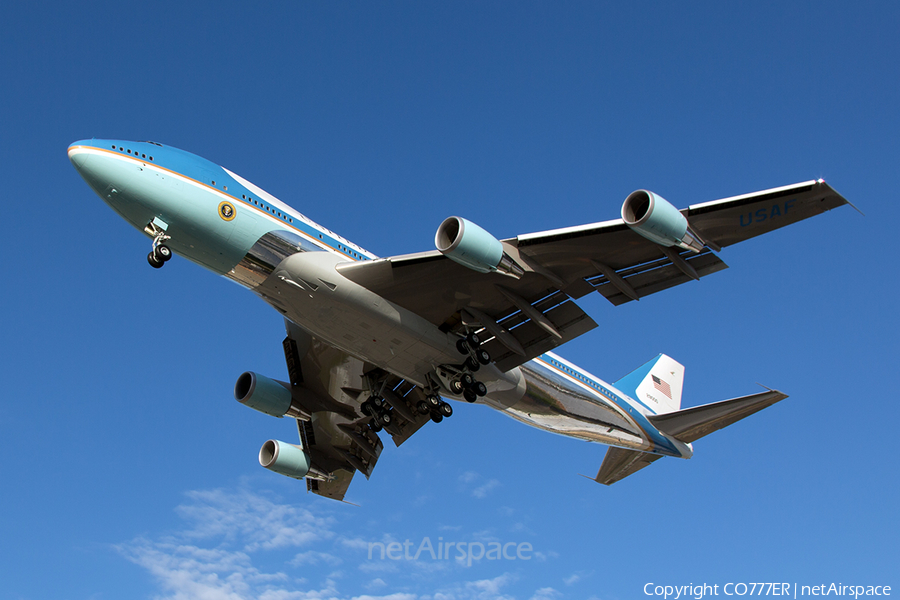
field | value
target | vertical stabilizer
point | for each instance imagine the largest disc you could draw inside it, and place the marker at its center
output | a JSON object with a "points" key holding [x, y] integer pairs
{"points": [[657, 384]]}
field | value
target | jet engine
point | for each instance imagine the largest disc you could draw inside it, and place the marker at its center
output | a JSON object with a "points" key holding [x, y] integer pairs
{"points": [[290, 460], [654, 218], [267, 396], [287, 459], [466, 243]]}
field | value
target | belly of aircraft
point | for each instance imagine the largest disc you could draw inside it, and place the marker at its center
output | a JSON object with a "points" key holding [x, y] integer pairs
{"points": [[308, 290], [554, 404]]}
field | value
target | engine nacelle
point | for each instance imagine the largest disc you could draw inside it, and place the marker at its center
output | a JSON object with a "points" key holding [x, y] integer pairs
{"points": [[286, 459], [654, 218], [468, 244], [266, 395]]}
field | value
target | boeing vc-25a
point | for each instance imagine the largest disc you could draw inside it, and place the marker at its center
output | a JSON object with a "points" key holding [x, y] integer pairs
{"points": [[380, 344]]}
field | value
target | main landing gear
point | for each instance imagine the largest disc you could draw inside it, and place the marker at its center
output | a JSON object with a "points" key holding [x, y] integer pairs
{"points": [[437, 408], [459, 379], [470, 346], [379, 410]]}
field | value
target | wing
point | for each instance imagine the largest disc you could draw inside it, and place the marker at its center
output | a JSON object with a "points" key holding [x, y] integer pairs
{"points": [[339, 438], [534, 313]]}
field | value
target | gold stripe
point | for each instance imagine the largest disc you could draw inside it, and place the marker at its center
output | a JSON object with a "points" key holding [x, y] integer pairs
{"points": [[243, 202]]}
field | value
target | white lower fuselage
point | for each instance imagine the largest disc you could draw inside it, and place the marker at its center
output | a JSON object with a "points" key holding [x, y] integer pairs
{"points": [[233, 228]]}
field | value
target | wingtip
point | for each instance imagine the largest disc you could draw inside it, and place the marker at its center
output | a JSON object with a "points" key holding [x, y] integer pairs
{"points": [[774, 391]]}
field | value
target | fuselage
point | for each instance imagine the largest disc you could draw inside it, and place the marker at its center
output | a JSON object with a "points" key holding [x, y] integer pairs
{"points": [[230, 226]]}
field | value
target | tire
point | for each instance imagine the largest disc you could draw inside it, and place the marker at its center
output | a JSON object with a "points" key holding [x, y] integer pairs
{"points": [[472, 364], [456, 387], [377, 401], [462, 346], [433, 402], [163, 253], [156, 264], [385, 419], [437, 417], [480, 389], [483, 356], [470, 396], [446, 409], [474, 340], [467, 380], [366, 408], [422, 407]]}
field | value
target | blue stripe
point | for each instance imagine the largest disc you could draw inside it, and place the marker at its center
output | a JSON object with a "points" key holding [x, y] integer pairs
{"points": [[205, 172]]}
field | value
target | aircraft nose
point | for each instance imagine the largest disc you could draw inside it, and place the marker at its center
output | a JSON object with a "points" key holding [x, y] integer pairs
{"points": [[78, 156]]}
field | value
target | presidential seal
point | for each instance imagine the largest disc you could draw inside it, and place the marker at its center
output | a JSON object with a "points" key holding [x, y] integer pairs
{"points": [[226, 211]]}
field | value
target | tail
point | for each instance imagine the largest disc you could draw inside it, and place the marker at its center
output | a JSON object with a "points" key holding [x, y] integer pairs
{"points": [[657, 384]]}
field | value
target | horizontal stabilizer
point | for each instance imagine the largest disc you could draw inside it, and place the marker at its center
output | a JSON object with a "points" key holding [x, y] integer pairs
{"points": [[693, 423], [620, 463]]}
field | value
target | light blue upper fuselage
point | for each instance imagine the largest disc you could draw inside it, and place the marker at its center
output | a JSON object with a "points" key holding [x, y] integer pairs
{"points": [[226, 224]]}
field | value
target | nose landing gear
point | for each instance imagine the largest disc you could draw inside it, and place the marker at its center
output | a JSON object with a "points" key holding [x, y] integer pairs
{"points": [[159, 253], [159, 256]]}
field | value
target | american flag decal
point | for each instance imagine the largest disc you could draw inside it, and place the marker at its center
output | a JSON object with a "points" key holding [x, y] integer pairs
{"points": [[662, 386]]}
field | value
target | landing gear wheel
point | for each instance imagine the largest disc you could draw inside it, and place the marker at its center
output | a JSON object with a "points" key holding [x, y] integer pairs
{"points": [[470, 395], [422, 407], [479, 388], [367, 408], [456, 386], [446, 409], [374, 425], [467, 380], [385, 419], [163, 253], [154, 262], [472, 364], [433, 402], [483, 356], [462, 346], [377, 401], [473, 339], [437, 417]]}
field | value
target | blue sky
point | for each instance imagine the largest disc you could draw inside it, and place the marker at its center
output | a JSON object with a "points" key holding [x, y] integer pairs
{"points": [[128, 470]]}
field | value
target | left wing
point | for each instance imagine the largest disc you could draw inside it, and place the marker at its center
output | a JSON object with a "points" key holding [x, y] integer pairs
{"points": [[533, 313], [339, 438]]}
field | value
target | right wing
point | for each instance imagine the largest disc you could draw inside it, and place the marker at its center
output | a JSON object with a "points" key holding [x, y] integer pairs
{"points": [[535, 313]]}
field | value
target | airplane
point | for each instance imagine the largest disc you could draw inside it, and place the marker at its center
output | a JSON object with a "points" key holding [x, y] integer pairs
{"points": [[381, 344]]}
